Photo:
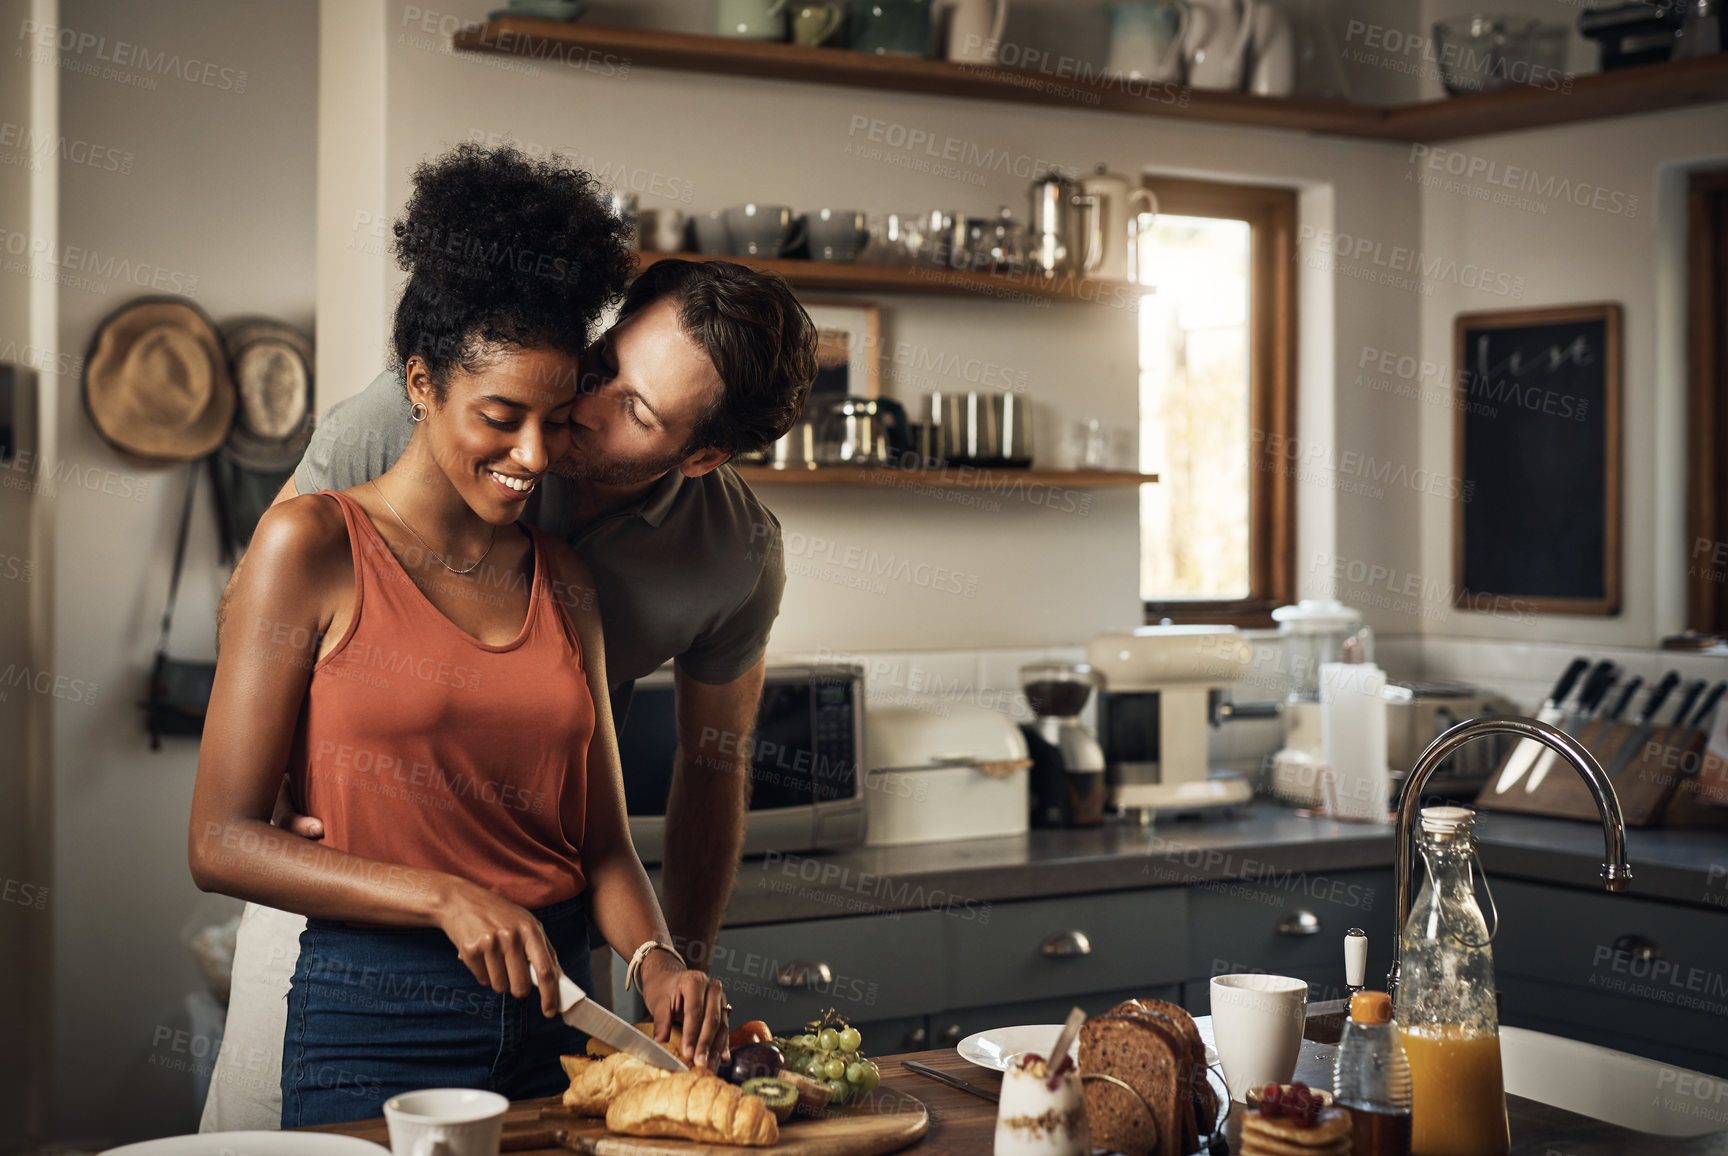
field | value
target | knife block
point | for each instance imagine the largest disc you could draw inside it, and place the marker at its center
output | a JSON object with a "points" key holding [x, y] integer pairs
{"points": [[1644, 786], [1703, 791]]}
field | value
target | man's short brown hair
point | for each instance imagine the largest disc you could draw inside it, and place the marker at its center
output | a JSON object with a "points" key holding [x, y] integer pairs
{"points": [[761, 341]]}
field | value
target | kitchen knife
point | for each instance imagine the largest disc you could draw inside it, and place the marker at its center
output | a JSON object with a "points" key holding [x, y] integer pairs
{"points": [[1527, 749], [1688, 701], [1709, 707], [1595, 688], [583, 1014], [1646, 720], [1625, 699], [951, 1081]]}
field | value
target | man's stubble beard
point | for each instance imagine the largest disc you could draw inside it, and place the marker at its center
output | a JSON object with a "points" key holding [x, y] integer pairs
{"points": [[581, 467]]}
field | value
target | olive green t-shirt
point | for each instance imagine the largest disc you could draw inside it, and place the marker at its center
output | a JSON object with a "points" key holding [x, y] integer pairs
{"points": [[692, 572]]}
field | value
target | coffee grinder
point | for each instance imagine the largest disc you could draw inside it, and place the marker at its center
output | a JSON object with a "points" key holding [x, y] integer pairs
{"points": [[1067, 784], [1163, 691]]}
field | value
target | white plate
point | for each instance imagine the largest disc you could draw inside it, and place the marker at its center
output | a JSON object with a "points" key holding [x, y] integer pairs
{"points": [[253, 1144], [991, 1049]]}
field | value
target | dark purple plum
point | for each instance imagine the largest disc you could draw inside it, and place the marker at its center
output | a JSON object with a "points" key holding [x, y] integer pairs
{"points": [[753, 1060]]}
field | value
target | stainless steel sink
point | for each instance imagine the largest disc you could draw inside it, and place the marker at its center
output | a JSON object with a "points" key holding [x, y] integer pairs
{"points": [[1614, 1087]]}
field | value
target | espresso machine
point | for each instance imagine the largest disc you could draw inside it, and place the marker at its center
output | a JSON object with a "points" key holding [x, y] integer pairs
{"points": [[1067, 783], [1163, 691]]}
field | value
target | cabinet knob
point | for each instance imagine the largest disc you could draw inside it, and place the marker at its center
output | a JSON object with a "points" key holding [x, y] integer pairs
{"points": [[949, 1035], [1063, 944], [1639, 948], [1299, 922], [916, 1040], [805, 973]]}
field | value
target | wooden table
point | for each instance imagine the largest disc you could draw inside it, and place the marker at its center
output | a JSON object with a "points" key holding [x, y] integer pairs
{"points": [[964, 1125]]}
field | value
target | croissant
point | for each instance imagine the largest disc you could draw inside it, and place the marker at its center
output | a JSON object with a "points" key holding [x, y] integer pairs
{"points": [[694, 1105], [594, 1084]]}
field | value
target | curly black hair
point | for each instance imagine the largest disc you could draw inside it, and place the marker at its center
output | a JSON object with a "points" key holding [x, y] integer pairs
{"points": [[502, 251]]}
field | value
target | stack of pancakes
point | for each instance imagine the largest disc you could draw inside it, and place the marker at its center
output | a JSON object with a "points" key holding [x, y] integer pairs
{"points": [[1283, 1136], [1156, 1100]]}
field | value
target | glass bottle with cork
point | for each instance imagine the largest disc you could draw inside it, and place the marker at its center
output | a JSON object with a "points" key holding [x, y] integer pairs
{"points": [[1445, 1009]]}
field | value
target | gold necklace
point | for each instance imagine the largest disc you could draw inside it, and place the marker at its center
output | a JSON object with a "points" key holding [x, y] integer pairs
{"points": [[428, 545]]}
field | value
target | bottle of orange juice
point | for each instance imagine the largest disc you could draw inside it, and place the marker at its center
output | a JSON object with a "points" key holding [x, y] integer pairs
{"points": [[1444, 1007]]}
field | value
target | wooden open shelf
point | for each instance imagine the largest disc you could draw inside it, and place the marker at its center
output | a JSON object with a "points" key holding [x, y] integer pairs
{"points": [[601, 50], [842, 277], [945, 478]]}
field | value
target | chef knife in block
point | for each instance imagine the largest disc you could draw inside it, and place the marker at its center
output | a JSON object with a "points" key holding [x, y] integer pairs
{"points": [[1526, 751], [1628, 746], [1592, 733], [1595, 688], [583, 1014], [1565, 796]]}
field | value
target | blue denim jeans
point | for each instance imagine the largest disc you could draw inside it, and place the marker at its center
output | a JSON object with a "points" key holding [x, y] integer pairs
{"points": [[374, 1012]]}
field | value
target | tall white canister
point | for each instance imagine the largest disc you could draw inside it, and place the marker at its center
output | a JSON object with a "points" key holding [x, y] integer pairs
{"points": [[1353, 741]]}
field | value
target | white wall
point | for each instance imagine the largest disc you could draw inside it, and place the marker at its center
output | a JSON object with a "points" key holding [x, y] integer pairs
{"points": [[220, 188]]}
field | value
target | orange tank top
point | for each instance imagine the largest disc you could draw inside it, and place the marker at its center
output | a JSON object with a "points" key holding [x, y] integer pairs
{"points": [[421, 745]]}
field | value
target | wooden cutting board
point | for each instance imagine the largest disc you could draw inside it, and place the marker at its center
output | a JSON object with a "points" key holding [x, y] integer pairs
{"points": [[880, 1122]]}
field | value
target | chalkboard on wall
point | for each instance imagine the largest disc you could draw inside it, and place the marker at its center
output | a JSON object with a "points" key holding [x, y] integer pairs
{"points": [[1537, 522]]}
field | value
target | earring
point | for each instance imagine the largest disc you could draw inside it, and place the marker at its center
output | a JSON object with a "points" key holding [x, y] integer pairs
{"points": [[418, 411]]}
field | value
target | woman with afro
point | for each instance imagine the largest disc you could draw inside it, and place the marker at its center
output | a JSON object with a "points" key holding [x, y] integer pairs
{"points": [[429, 674]]}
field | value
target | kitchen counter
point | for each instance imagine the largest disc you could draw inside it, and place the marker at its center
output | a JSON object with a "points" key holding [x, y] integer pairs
{"points": [[964, 1125], [1263, 841]]}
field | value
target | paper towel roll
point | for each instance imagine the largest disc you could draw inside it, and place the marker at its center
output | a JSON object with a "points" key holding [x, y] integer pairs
{"points": [[1353, 739]]}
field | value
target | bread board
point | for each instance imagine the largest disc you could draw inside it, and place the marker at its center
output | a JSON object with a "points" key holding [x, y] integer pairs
{"points": [[876, 1123]]}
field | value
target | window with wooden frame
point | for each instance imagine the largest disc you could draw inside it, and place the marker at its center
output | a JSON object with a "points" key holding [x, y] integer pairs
{"points": [[1217, 402], [1707, 404]]}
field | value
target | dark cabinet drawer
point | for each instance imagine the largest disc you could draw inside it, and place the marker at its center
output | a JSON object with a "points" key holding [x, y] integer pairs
{"points": [[1664, 954], [869, 968], [1292, 924], [1047, 948]]}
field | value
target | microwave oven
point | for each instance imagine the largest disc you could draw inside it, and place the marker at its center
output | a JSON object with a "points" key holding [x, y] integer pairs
{"points": [[806, 760]]}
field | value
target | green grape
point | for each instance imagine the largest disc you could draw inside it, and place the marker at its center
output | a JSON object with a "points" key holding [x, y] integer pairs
{"points": [[850, 1039], [872, 1077], [834, 1068], [807, 1041], [855, 1073], [841, 1090], [827, 1039]]}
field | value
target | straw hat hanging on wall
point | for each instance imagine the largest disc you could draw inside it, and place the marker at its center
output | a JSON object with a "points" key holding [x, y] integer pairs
{"points": [[156, 381], [272, 367]]}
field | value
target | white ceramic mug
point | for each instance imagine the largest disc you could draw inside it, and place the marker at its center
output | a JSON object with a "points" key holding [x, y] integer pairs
{"points": [[445, 1122], [1257, 1023]]}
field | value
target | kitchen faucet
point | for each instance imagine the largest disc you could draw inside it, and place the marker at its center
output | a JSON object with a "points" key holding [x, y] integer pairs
{"points": [[1615, 872]]}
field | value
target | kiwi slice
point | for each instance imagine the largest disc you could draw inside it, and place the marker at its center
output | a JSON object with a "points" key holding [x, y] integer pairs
{"points": [[780, 1096]]}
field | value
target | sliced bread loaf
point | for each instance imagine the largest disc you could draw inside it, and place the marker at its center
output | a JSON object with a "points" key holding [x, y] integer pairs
{"points": [[1137, 1052]]}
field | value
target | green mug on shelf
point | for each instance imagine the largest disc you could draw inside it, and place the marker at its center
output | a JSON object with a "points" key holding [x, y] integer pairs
{"points": [[899, 27], [750, 19], [816, 24]]}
